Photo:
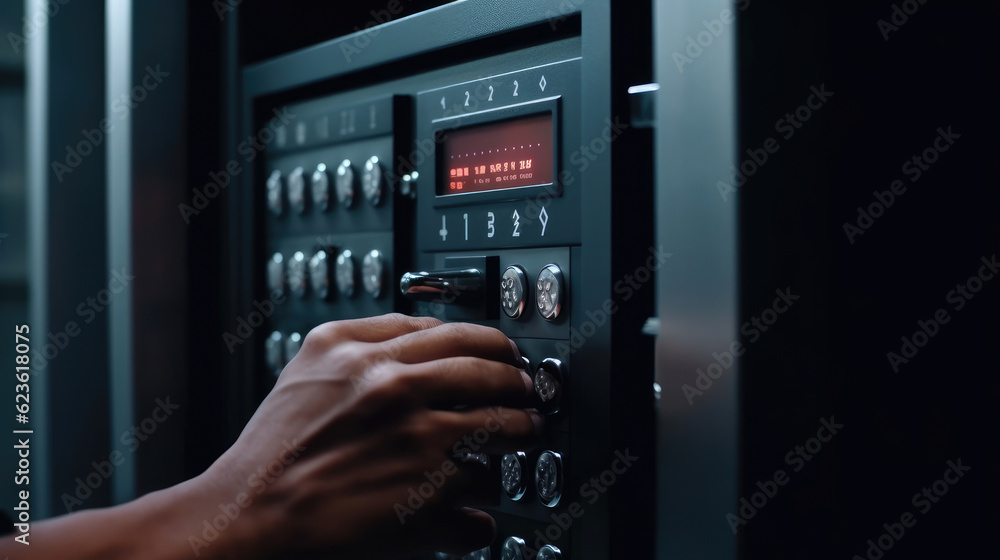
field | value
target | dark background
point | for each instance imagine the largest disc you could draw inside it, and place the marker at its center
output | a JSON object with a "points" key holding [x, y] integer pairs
{"points": [[827, 355]]}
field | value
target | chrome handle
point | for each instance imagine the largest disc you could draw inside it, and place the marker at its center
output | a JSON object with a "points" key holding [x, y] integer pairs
{"points": [[455, 286]]}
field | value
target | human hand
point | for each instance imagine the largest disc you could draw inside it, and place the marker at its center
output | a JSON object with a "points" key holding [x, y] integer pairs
{"points": [[367, 412]]}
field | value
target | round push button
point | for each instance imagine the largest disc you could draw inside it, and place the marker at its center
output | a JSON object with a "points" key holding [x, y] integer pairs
{"points": [[513, 291], [550, 292]]}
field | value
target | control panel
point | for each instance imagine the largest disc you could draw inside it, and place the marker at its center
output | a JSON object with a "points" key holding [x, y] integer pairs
{"points": [[480, 189], [329, 218]]}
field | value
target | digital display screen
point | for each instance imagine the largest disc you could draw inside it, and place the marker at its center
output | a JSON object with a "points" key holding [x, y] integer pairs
{"points": [[496, 156]]}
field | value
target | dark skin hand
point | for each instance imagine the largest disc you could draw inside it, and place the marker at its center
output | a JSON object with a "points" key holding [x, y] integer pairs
{"points": [[367, 412]]}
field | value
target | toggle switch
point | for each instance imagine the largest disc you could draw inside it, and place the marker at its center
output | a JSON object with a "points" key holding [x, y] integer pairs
{"points": [[319, 274], [276, 275], [297, 198], [298, 281], [344, 183], [373, 181], [273, 348], [344, 272], [372, 272], [275, 193], [321, 188]]}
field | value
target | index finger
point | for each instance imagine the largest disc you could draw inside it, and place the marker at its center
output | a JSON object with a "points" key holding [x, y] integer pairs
{"points": [[370, 329], [457, 339]]}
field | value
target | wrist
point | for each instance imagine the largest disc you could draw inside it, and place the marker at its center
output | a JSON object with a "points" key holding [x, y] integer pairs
{"points": [[201, 518]]}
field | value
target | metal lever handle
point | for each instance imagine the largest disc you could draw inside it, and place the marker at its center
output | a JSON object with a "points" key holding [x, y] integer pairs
{"points": [[460, 286]]}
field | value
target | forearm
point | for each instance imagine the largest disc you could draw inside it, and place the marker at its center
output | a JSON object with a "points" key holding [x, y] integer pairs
{"points": [[164, 525]]}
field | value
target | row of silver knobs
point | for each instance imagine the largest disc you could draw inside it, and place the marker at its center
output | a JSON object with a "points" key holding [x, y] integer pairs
{"points": [[315, 273], [549, 291], [280, 349], [548, 476], [344, 180], [514, 548]]}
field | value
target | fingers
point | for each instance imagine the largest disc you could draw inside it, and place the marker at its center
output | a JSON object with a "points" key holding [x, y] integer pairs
{"points": [[369, 329], [468, 382], [457, 339]]}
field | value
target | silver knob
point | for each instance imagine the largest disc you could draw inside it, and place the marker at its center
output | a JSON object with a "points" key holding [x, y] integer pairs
{"points": [[548, 478], [408, 185], [513, 467], [548, 381], [321, 188], [513, 549], [276, 275], [298, 282], [297, 190], [513, 291], [275, 196], [344, 183], [372, 272], [373, 181], [344, 271], [273, 352], [292, 346], [319, 274], [481, 554], [549, 294], [549, 552]]}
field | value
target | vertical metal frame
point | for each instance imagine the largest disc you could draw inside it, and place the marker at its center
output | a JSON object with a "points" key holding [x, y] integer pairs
{"points": [[697, 291]]}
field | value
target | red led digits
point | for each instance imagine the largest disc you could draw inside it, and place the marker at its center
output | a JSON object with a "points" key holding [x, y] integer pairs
{"points": [[505, 155]]}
